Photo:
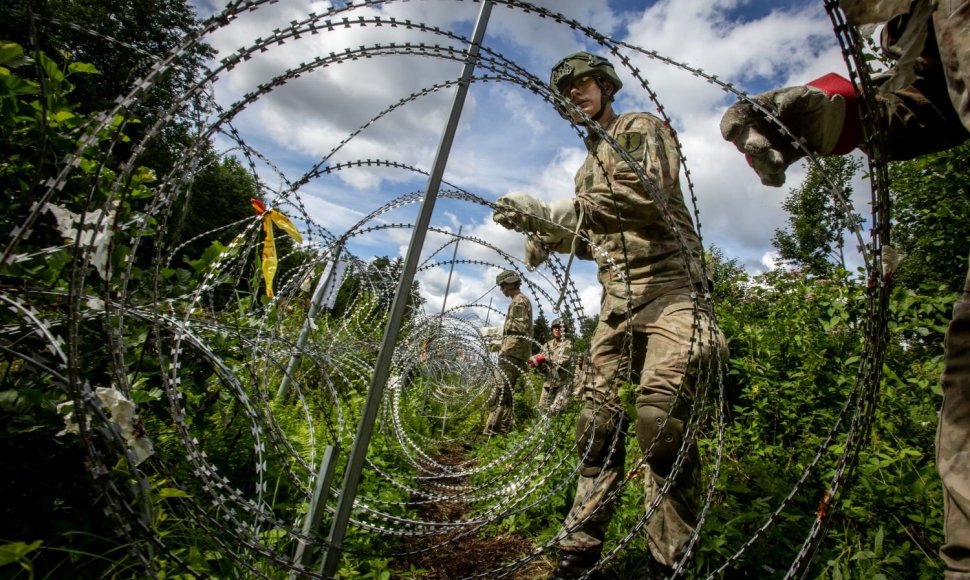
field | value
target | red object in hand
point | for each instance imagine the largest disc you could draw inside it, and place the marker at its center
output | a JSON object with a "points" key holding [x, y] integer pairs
{"points": [[833, 84], [537, 360]]}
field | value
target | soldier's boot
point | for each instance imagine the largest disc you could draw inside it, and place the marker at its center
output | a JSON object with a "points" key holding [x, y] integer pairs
{"points": [[574, 565], [657, 571]]}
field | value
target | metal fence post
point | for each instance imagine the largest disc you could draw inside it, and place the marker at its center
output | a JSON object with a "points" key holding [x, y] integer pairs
{"points": [[358, 452], [326, 281]]}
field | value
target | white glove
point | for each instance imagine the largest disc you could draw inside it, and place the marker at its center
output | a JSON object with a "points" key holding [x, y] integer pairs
{"points": [[523, 213], [806, 111]]}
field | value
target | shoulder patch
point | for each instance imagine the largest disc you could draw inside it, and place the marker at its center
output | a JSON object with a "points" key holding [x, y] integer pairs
{"points": [[630, 141]]}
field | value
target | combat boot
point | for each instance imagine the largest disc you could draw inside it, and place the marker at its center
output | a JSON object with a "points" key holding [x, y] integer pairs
{"points": [[657, 571], [573, 565]]}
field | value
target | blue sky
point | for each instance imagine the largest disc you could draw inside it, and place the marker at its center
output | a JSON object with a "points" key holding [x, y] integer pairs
{"points": [[509, 138]]}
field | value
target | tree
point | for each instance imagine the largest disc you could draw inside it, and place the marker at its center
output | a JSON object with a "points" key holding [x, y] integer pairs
{"points": [[815, 236], [730, 278], [122, 40], [584, 333], [380, 280], [220, 194], [931, 218], [540, 332]]}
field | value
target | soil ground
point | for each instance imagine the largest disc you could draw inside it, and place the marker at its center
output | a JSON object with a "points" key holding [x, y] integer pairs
{"points": [[469, 554]]}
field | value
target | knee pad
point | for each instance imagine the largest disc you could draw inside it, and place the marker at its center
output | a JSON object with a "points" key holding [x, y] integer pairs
{"points": [[595, 436], [662, 443]]}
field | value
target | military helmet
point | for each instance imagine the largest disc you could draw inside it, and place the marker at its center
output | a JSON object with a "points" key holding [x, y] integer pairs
{"points": [[555, 323], [581, 64], [507, 277]]}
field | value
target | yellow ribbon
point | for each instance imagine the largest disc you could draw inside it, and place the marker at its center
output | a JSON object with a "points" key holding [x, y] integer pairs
{"points": [[271, 217]]}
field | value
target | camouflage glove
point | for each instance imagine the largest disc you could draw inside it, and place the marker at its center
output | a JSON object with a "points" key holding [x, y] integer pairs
{"points": [[492, 335], [538, 247], [823, 113], [523, 213], [536, 252]]}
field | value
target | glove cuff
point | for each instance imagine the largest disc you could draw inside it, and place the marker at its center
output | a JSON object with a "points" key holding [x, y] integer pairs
{"points": [[563, 212], [851, 135]]}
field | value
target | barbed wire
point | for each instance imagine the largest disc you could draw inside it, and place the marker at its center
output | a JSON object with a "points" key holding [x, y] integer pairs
{"points": [[245, 356]]}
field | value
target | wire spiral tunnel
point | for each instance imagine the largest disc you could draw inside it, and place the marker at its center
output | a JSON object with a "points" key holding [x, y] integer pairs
{"points": [[443, 371]]}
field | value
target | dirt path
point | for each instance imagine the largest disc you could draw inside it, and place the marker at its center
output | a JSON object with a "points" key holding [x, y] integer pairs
{"points": [[468, 555]]}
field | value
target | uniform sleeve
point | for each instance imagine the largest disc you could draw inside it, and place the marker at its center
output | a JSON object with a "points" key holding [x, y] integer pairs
{"points": [[564, 354], [566, 359], [519, 319], [921, 117], [615, 199]]}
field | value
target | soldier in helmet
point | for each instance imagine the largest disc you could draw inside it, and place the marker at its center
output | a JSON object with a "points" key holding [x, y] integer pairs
{"points": [[513, 353], [630, 213], [555, 360]]}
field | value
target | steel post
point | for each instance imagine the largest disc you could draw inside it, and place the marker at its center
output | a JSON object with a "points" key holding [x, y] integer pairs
{"points": [[358, 452]]}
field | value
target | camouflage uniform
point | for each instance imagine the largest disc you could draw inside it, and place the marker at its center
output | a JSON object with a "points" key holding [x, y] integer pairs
{"points": [[558, 369], [515, 350], [650, 333], [583, 373], [932, 113], [953, 441]]}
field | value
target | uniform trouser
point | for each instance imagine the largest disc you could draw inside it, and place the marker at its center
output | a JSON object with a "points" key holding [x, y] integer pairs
{"points": [[667, 351], [551, 389], [500, 403], [953, 441]]}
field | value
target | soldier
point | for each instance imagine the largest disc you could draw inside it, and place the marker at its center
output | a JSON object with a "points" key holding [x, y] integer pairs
{"points": [[514, 351], [582, 374], [925, 103], [555, 359], [629, 208]]}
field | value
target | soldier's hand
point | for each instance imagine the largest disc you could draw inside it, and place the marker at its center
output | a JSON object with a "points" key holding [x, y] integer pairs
{"points": [[806, 111], [521, 212], [524, 213], [536, 252]]}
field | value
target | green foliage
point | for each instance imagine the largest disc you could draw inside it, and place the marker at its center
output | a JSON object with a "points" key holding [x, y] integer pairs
{"points": [[817, 221], [47, 494], [585, 333], [932, 218], [795, 347], [540, 332], [52, 505], [220, 194], [122, 41], [16, 553], [538, 521]]}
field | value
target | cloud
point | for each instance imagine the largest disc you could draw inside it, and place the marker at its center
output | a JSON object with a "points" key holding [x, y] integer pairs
{"points": [[769, 260], [509, 138]]}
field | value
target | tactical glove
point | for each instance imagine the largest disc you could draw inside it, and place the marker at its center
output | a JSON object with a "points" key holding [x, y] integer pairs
{"points": [[536, 252], [823, 113], [492, 336], [523, 213]]}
